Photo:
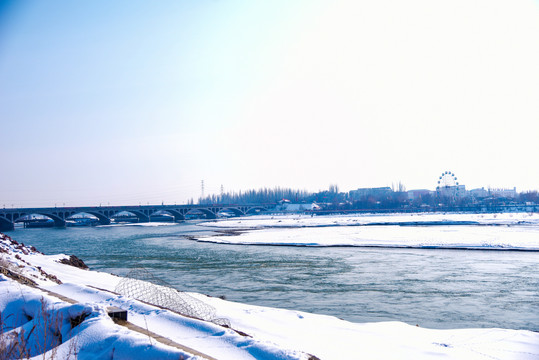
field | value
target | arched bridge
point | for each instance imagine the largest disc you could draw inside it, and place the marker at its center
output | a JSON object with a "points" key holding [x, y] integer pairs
{"points": [[8, 217]]}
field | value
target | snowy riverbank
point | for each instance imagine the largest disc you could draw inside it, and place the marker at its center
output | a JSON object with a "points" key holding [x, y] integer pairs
{"points": [[508, 231], [373, 219], [76, 301]]}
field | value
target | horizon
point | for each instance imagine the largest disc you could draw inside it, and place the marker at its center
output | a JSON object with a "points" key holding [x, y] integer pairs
{"points": [[196, 200], [133, 102]]}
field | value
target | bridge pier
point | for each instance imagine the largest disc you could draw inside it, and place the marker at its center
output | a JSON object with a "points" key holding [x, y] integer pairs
{"points": [[177, 215], [59, 223], [141, 216], [6, 226], [104, 221]]}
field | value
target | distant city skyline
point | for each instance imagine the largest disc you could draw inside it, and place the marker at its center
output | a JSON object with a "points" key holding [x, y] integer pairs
{"points": [[136, 102], [393, 186]]}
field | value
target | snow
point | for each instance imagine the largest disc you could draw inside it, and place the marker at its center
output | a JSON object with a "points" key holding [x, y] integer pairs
{"points": [[256, 332], [40, 319], [455, 236], [301, 220], [513, 231]]}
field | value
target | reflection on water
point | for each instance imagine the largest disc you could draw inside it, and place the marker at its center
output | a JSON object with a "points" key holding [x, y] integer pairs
{"points": [[430, 287]]}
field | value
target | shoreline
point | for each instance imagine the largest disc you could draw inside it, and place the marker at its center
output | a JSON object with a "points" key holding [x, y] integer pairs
{"points": [[325, 337]]}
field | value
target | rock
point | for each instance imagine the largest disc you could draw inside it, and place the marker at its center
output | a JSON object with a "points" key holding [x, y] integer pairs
{"points": [[74, 261]]}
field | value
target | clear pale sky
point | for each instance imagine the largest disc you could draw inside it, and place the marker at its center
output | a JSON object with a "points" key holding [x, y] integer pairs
{"points": [[128, 102]]}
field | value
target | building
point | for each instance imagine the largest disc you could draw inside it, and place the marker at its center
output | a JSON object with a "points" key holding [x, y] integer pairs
{"points": [[366, 192], [286, 205], [418, 194], [503, 193], [478, 193]]}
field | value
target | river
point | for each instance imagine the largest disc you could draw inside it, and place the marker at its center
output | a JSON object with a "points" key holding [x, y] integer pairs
{"points": [[434, 288]]}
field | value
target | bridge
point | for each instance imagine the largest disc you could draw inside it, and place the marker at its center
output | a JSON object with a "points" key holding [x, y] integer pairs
{"points": [[8, 217]]}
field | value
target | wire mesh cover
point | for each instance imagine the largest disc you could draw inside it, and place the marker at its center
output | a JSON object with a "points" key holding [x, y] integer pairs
{"points": [[140, 284]]}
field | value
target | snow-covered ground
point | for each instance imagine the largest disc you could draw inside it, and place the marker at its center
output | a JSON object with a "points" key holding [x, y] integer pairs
{"points": [[83, 328], [265, 221], [511, 231], [447, 237]]}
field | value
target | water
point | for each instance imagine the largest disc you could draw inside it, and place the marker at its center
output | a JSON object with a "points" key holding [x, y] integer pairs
{"points": [[433, 288]]}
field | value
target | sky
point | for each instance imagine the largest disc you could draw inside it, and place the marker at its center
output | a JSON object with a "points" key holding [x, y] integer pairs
{"points": [[136, 102]]}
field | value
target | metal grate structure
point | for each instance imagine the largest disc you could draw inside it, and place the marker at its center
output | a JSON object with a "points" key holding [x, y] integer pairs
{"points": [[140, 284]]}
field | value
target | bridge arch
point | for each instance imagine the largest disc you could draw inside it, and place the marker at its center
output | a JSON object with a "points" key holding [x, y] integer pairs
{"points": [[14, 217], [59, 219], [178, 215], [142, 215], [162, 215], [103, 219], [255, 210], [236, 211], [206, 211]]}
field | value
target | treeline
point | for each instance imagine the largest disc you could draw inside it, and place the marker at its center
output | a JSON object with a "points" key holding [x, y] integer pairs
{"points": [[529, 196], [260, 196], [395, 198]]}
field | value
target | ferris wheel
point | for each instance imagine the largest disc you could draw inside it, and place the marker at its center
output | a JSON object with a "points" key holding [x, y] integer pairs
{"points": [[447, 179]]}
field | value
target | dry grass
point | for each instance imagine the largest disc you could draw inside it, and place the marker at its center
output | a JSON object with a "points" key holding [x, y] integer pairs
{"points": [[35, 336]]}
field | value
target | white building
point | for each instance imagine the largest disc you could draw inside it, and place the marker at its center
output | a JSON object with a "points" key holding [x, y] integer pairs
{"points": [[503, 193], [478, 193], [288, 206]]}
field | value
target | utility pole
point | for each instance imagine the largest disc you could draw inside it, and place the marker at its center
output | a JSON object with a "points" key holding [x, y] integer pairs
{"points": [[202, 188]]}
